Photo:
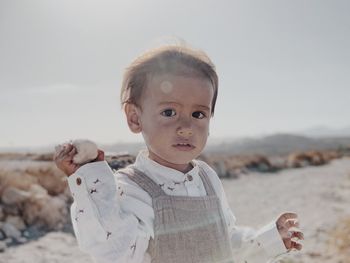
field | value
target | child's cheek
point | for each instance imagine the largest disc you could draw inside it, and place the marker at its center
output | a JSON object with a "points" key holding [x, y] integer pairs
{"points": [[167, 124], [204, 124]]}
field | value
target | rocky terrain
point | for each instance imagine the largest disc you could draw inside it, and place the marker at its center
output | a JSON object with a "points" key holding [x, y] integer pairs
{"points": [[34, 207]]}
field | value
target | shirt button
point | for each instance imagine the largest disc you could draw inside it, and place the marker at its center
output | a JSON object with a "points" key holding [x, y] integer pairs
{"points": [[189, 177], [78, 181]]}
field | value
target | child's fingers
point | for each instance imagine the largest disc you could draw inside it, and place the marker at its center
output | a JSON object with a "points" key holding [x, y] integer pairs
{"points": [[286, 216], [290, 234], [100, 155], [296, 245], [297, 234], [290, 239], [65, 156], [291, 223], [72, 151], [59, 150], [66, 149], [63, 149]]}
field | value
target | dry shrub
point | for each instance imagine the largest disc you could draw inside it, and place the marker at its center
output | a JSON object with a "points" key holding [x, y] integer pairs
{"points": [[49, 177], [340, 239], [44, 210], [235, 165], [17, 179], [22, 174], [47, 157], [331, 155], [303, 159], [12, 156]]}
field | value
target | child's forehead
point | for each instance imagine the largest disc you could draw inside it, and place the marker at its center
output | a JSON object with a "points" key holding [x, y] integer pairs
{"points": [[166, 83], [173, 87], [166, 86]]}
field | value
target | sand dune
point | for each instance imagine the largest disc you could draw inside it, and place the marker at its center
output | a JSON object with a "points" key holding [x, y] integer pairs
{"points": [[320, 195]]}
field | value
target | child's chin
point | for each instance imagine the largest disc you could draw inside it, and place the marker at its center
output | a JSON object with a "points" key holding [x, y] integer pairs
{"points": [[183, 159]]}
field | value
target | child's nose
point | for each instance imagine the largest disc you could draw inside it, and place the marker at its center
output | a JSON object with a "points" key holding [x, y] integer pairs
{"points": [[185, 128], [185, 132]]}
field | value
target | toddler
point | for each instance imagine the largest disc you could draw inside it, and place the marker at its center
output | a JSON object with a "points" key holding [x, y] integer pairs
{"points": [[167, 206]]}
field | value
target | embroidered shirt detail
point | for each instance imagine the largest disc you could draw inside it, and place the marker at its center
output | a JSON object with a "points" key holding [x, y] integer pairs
{"points": [[97, 181]]}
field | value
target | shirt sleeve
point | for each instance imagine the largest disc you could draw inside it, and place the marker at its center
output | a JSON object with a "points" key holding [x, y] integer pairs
{"points": [[253, 246], [101, 227], [249, 245]]}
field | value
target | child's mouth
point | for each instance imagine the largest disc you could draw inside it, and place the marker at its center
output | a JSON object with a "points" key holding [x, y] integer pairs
{"points": [[184, 146]]}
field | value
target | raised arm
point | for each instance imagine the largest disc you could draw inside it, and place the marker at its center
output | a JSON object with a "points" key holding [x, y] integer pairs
{"points": [[102, 228]]}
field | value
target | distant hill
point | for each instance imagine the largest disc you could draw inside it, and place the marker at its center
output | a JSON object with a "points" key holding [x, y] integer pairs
{"points": [[269, 145], [278, 144], [324, 131]]}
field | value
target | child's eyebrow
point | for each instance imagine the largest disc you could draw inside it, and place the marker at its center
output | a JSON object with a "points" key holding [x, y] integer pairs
{"points": [[176, 103], [203, 106], [167, 103]]}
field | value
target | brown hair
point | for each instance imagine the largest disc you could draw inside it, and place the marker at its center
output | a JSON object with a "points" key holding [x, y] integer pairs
{"points": [[175, 60]]}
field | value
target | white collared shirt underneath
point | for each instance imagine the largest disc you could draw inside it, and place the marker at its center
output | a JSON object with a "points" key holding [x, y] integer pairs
{"points": [[113, 217]]}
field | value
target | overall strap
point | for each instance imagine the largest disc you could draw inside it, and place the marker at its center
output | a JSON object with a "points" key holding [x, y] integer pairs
{"points": [[206, 182], [140, 178]]}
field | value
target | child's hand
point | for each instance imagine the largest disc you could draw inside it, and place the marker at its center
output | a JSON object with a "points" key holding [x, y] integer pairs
{"points": [[284, 223], [63, 158]]}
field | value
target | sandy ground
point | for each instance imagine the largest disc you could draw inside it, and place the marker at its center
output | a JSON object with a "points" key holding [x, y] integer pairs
{"points": [[320, 195]]}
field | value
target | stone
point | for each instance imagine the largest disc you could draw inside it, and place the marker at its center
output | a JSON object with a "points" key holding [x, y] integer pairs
{"points": [[3, 246], [16, 221], [86, 151], [47, 211], [26, 233], [12, 209], [22, 240], [14, 196], [17, 179], [119, 161], [8, 241], [38, 190], [2, 235], [11, 231], [49, 177], [2, 214]]}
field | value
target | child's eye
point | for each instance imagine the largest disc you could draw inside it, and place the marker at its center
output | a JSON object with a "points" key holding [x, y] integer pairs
{"points": [[168, 113], [198, 115]]}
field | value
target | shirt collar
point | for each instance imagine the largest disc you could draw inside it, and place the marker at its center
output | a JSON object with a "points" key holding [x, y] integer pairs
{"points": [[156, 170]]}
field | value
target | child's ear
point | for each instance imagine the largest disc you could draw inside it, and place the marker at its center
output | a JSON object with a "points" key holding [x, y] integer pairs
{"points": [[132, 113]]}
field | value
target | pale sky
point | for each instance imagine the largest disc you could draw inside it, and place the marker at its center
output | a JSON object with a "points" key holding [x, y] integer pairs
{"points": [[283, 65]]}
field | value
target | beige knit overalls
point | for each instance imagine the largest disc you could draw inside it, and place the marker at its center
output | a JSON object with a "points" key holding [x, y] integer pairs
{"points": [[186, 228]]}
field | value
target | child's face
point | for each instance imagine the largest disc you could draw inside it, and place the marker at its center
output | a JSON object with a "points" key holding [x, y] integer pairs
{"points": [[175, 119]]}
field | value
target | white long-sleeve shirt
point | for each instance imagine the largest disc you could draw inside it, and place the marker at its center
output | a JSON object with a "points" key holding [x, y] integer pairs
{"points": [[113, 217]]}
